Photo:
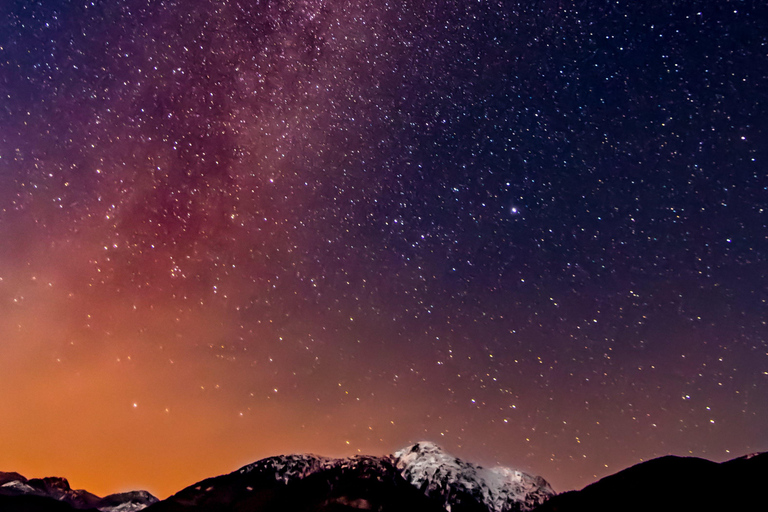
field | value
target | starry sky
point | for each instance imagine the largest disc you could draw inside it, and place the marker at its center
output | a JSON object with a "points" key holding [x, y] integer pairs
{"points": [[534, 232]]}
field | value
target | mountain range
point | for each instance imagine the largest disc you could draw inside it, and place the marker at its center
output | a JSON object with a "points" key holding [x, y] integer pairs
{"points": [[421, 477], [54, 494]]}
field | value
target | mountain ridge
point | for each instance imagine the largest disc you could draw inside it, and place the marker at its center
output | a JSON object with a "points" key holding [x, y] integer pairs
{"points": [[39, 493], [421, 477]]}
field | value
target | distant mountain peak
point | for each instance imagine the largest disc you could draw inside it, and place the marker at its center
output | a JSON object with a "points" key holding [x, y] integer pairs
{"points": [[56, 489]]}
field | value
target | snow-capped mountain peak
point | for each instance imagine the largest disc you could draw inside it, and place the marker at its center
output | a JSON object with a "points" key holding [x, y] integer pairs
{"points": [[454, 481], [421, 478]]}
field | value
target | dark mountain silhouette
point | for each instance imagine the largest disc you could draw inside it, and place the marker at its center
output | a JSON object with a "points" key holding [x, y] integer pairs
{"points": [[32, 503], [672, 483]]}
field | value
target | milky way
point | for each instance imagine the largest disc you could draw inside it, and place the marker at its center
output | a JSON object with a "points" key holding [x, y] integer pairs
{"points": [[534, 233]]}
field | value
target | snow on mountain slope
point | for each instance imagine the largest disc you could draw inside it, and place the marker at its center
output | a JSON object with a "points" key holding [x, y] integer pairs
{"points": [[456, 482], [131, 501], [290, 467], [19, 487], [447, 481]]}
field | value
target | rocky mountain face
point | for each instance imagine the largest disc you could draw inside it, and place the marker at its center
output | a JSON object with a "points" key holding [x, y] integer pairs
{"points": [[303, 483], [54, 494], [421, 477], [672, 484]]}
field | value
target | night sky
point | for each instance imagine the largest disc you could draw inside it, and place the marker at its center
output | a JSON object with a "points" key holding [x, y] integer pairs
{"points": [[535, 233]]}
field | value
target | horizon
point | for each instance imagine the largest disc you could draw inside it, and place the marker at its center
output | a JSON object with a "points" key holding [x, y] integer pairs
{"points": [[165, 494]]}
